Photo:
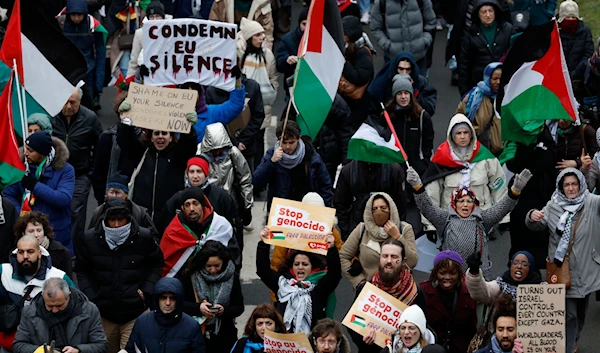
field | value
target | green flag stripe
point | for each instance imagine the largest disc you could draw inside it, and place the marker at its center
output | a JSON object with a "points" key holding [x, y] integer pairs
{"points": [[9, 175], [367, 151], [311, 99]]}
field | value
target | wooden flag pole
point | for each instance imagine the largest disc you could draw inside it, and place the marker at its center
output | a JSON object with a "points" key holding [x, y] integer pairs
{"points": [[287, 112]]}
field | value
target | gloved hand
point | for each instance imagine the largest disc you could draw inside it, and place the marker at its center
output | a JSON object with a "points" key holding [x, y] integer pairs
{"points": [[432, 236], [144, 71], [521, 180], [474, 262], [192, 117], [29, 182], [355, 268], [247, 216], [413, 178], [236, 72], [124, 107]]}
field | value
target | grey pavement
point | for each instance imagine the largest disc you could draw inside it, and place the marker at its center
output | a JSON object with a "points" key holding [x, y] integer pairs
{"points": [[255, 292]]}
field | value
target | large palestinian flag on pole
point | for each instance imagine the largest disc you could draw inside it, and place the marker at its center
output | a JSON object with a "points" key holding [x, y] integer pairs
{"points": [[49, 65], [12, 167], [320, 65], [375, 143], [535, 85]]}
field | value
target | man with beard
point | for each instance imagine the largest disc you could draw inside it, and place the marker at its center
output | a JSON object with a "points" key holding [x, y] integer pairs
{"points": [[62, 315], [394, 278], [504, 339], [22, 279]]}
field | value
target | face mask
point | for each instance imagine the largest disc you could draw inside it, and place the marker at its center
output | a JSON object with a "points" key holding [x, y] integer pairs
{"points": [[222, 157], [381, 217]]}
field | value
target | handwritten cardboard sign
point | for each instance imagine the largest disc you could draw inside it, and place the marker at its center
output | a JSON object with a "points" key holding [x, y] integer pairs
{"points": [[375, 309], [541, 317], [181, 50], [159, 108], [300, 226], [286, 343]]}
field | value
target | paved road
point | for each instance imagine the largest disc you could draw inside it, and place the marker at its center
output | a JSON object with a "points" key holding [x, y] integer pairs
{"points": [[255, 292]]}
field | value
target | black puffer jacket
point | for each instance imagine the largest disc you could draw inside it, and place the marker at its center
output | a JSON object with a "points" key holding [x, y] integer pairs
{"points": [[569, 144], [578, 46], [358, 68], [111, 278], [162, 172], [80, 136], [475, 53]]}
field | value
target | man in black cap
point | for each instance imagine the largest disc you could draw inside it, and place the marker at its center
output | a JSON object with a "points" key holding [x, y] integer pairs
{"points": [[118, 263], [48, 185], [117, 187]]}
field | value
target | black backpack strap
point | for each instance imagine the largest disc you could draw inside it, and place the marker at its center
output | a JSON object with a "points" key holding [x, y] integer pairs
{"points": [[24, 297]]}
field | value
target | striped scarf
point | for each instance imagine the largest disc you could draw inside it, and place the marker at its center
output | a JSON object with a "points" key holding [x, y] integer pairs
{"points": [[404, 289]]}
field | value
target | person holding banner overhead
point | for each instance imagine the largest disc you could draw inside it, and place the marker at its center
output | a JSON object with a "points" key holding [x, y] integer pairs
{"points": [[264, 317], [302, 284]]}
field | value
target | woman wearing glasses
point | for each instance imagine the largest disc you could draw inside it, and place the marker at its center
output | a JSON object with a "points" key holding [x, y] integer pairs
{"points": [[463, 227], [360, 254]]}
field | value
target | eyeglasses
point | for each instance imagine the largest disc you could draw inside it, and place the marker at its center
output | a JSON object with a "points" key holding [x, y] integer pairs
{"points": [[467, 201], [383, 208], [521, 263], [157, 133]]}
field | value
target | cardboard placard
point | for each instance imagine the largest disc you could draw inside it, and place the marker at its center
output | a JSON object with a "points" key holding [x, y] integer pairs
{"points": [[159, 108], [541, 317], [286, 343], [183, 50], [375, 309], [300, 226]]}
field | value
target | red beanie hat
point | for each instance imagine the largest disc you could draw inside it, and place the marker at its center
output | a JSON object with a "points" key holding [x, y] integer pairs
{"points": [[200, 162]]}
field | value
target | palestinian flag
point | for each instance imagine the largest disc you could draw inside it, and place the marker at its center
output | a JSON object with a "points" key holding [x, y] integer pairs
{"points": [[95, 25], [119, 81], [376, 144], [49, 65], [12, 168], [359, 321], [535, 85], [320, 64], [277, 235]]}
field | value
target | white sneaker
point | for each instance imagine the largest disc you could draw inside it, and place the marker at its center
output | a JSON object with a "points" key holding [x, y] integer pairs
{"points": [[249, 228], [365, 18], [438, 25]]}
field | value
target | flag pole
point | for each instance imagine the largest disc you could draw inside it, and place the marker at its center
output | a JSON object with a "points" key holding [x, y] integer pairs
{"points": [[21, 104], [287, 113]]}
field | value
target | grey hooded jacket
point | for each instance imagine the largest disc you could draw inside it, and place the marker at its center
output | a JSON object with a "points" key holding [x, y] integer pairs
{"points": [[407, 27]]}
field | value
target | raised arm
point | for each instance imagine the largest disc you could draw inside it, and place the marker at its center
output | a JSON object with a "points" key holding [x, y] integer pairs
{"points": [[436, 215]]}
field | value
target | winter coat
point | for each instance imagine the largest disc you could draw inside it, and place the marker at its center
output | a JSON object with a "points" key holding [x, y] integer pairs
{"points": [[584, 262], [153, 332], [260, 11], [569, 144], [365, 243], [139, 213], [540, 158], [475, 53], [8, 218], [279, 178], [288, 46], [357, 181], [488, 181], [461, 327], [465, 235], [358, 68], [540, 12], [61, 257], [160, 173], [406, 27], [53, 193], [331, 143], [592, 176], [80, 136], [269, 86], [487, 292], [586, 88], [322, 290], [254, 108], [219, 199], [233, 174], [578, 46], [416, 136], [221, 113], [486, 124], [136, 50], [90, 42], [380, 89], [111, 278], [84, 331]]}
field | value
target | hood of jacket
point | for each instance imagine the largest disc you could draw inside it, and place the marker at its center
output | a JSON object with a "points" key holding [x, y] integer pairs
{"points": [[62, 154], [215, 137], [497, 11], [369, 221], [458, 119], [77, 6], [381, 86], [169, 285], [404, 55]]}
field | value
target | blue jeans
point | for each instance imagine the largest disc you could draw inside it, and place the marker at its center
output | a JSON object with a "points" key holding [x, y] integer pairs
{"points": [[364, 5], [124, 62]]}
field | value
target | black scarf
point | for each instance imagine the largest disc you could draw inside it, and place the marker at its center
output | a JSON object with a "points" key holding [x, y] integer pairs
{"points": [[533, 277], [57, 322]]}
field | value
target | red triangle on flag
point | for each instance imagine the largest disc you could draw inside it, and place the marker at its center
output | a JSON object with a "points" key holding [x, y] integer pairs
{"points": [[12, 49], [312, 39], [9, 153]]}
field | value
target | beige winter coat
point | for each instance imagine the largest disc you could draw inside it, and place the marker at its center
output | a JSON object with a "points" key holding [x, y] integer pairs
{"points": [[481, 291], [373, 237], [488, 180], [260, 11]]}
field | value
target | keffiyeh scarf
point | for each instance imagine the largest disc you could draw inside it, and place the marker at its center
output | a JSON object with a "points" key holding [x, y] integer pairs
{"points": [[296, 295]]}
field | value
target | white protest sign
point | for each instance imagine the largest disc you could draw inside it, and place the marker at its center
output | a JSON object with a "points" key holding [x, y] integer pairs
{"points": [[181, 50], [541, 317]]}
